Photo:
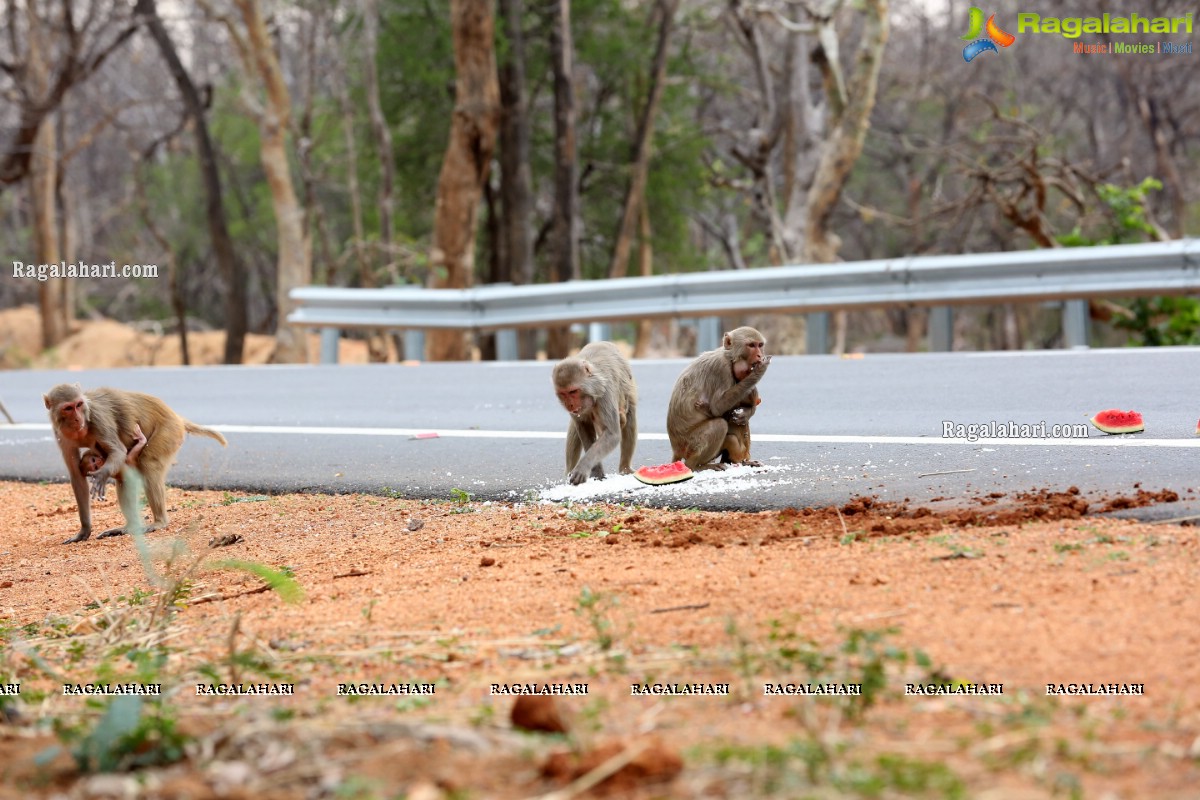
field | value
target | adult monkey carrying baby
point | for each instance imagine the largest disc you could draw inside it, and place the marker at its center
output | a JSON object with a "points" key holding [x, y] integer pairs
{"points": [[713, 400], [108, 419]]}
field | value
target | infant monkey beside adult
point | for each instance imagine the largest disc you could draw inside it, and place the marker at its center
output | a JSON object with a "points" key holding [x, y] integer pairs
{"points": [[104, 420]]}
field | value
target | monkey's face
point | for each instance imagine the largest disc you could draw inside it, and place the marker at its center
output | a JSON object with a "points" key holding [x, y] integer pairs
{"points": [[72, 417], [91, 462], [747, 353], [576, 401]]}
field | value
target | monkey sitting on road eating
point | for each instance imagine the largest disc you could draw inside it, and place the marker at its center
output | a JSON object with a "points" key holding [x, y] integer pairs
{"points": [[92, 459], [598, 391], [718, 383]]}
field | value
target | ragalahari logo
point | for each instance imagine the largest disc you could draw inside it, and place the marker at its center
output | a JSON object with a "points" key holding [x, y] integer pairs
{"points": [[994, 37]]}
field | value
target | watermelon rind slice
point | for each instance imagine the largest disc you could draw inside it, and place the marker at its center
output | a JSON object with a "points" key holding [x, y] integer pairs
{"points": [[1114, 420], [664, 473]]}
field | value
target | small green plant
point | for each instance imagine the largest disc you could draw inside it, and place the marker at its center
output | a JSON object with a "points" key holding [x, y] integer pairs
{"points": [[254, 498], [460, 501], [958, 551], [411, 704], [137, 596], [129, 734], [483, 715], [595, 606], [392, 494], [282, 580], [586, 514], [1067, 547], [867, 654], [357, 787]]}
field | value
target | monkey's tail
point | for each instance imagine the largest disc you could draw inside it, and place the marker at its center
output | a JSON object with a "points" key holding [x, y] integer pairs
{"points": [[200, 430]]}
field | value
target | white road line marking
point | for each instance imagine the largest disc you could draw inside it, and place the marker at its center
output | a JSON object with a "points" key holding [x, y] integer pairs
{"points": [[460, 433]]}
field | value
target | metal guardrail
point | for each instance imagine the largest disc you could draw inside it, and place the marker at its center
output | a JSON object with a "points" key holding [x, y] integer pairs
{"points": [[981, 278]]}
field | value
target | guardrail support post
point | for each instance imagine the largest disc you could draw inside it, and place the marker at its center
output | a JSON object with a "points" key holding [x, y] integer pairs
{"points": [[329, 345], [1075, 323], [506, 345], [941, 329], [816, 333], [708, 334], [599, 332], [414, 345]]}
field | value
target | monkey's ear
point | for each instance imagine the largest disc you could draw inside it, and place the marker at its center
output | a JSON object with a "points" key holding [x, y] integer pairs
{"points": [[587, 367], [46, 399], [727, 342]]}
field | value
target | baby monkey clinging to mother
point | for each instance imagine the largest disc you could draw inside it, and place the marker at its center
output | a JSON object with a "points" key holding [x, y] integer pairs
{"points": [[598, 391]]}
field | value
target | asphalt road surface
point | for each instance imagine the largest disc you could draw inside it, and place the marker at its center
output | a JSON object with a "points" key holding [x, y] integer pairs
{"points": [[828, 429]]}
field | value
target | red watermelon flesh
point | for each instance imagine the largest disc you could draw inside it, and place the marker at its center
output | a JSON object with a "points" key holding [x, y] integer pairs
{"points": [[664, 473], [1116, 421], [1198, 428]]}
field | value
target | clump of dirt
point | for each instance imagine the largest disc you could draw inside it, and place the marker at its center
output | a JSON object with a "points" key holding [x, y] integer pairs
{"points": [[1142, 499], [628, 764], [537, 713]]}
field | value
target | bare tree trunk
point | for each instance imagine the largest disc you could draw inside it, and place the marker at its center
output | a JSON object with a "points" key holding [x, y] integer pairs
{"points": [[516, 192], [366, 277], [806, 232], [377, 342], [294, 267], [214, 205], [566, 169], [176, 285], [382, 135], [1011, 327], [465, 165], [43, 178], [646, 268], [643, 139], [914, 328], [68, 238], [852, 107], [43, 175]]}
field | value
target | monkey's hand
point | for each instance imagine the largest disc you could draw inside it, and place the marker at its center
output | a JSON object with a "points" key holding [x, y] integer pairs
{"points": [[99, 484], [737, 416], [756, 372], [83, 535], [577, 476]]}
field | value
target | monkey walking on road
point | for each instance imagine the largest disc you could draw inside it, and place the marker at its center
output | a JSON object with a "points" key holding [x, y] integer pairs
{"points": [[105, 419], [598, 391], [713, 399]]}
